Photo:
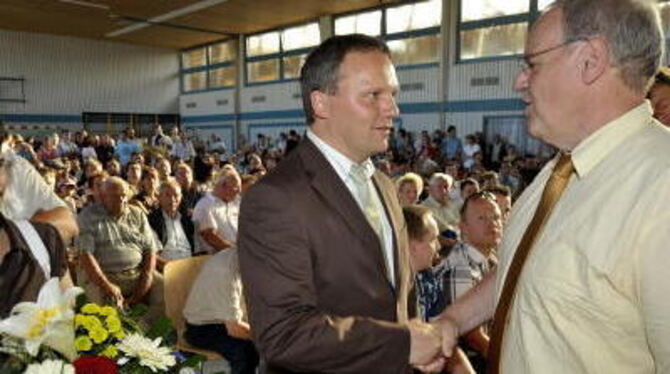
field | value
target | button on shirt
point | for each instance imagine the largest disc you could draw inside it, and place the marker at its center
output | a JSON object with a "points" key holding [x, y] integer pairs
{"points": [[342, 165], [593, 296], [212, 212]]}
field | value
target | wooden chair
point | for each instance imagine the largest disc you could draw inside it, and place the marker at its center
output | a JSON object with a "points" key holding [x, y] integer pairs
{"points": [[179, 276]]}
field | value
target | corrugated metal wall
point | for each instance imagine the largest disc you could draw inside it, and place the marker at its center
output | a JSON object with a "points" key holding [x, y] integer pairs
{"points": [[66, 76]]}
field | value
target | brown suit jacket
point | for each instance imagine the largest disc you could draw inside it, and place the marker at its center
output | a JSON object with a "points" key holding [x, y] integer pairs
{"points": [[314, 273]]}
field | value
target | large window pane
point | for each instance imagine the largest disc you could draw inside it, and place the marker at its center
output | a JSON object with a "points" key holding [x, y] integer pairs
{"points": [[263, 71], [541, 4], [194, 58], [195, 81], [263, 44], [292, 65], [472, 10], [222, 52], [414, 16], [300, 37], [222, 77], [368, 23], [493, 41], [415, 50]]}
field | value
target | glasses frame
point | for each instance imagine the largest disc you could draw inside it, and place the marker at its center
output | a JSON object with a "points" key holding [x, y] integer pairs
{"points": [[526, 65]]}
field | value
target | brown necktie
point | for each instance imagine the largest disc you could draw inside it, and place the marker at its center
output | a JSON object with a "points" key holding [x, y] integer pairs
{"points": [[552, 192]]}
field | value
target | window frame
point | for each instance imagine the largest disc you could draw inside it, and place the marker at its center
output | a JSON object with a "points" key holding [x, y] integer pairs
{"points": [[207, 67], [276, 55], [527, 17], [385, 36]]}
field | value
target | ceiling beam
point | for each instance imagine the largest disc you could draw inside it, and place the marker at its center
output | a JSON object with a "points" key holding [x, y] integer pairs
{"points": [[165, 17]]}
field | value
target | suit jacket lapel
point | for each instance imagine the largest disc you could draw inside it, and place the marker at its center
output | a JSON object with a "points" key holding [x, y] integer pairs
{"points": [[336, 194]]}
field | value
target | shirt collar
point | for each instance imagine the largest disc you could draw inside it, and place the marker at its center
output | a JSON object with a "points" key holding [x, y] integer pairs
{"points": [[610, 138], [341, 163]]}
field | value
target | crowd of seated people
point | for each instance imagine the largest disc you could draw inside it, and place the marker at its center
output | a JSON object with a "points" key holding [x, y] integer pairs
{"points": [[143, 202]]}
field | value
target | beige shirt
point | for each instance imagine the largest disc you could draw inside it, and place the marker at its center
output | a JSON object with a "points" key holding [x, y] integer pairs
{"points": [[446, 215], [594, 295]]}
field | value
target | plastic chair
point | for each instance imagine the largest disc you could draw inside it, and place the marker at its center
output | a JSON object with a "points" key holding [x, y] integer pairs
{"points": [[179, 276]]}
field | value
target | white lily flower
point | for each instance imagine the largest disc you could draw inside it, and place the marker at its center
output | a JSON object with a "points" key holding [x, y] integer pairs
{"points": [[48, 321]]}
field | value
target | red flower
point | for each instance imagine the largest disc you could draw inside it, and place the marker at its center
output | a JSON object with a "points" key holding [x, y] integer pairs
{"points": [[95, 365]]}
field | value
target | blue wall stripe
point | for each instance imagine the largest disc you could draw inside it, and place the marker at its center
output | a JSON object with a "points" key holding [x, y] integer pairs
{"points": [[54, 118], [405, 108], [208, 118], [210, 127]]}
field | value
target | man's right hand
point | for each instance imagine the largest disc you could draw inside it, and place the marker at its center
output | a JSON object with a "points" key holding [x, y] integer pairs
{"points": [[425, 343]]}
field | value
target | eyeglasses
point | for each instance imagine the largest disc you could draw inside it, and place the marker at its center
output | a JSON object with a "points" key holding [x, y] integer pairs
{"points": [[526, 65]]}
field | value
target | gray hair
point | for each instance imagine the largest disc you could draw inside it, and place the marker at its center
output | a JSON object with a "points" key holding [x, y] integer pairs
{"points": [[441, 177], [631, 27]]}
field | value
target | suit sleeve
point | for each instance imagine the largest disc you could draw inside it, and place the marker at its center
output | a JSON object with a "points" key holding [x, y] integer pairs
{"points": [[288, 328]]}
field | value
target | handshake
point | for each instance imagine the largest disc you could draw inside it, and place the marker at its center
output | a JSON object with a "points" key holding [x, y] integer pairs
{"points": [[431, 343]]}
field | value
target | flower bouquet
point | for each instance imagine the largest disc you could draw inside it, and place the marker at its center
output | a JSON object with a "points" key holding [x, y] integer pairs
{"points": [[49, 336]]}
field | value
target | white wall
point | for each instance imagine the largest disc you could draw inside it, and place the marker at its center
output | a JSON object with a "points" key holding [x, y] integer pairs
{"points": [[66, 76]]}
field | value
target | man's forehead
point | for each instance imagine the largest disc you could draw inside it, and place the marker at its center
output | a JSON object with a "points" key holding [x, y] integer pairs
{"points": [[547, 31]]}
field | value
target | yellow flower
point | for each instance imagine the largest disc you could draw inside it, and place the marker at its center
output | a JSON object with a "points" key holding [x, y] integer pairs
{"points": [[92, 323], [120, 334], [98, 335], [108, 311], [110, 352], [113, 324], [83, 343], [91, 308], [80, 320]]}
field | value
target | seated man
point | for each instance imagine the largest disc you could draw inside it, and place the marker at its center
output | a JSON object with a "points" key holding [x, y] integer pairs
{"points": [[422, 229], [215, 313], [174, 230], [118, 252], [472, 258], [215, 216]]}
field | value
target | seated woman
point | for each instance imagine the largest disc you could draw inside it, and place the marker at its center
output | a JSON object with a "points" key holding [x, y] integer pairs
{"points": [[30, 255]]}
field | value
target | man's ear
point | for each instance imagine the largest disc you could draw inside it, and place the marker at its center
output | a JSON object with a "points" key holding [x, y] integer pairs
{"points": [[320, 104], [594, 59]]}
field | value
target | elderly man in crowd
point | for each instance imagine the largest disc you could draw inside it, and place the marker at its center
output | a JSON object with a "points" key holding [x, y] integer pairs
{"points": [[444, 210], [216, 214], [581, 285], [118, 251], [174, 230]]}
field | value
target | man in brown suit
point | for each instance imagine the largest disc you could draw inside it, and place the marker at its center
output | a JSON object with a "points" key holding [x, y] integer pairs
{"points": [[323, 251]]}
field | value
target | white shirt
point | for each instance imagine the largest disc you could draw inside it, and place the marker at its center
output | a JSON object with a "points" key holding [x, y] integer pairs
{"points": [[212, 212], [26, 192], [594, 295], [216, 295], [342, 164], [176, 246]]}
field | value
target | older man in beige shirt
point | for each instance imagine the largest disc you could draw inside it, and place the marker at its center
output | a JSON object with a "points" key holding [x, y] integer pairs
{"points": [[592, 296]]}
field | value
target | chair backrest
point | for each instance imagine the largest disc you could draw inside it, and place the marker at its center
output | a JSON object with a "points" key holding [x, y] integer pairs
{"points": [[179, 276]]}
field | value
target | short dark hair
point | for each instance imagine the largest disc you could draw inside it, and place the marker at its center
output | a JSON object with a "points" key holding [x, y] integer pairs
{"points": [[416, 217], [321, 69], [500, 189], [467, 182], [481, 195]]}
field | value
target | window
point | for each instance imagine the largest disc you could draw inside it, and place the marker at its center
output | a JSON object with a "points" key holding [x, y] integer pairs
{"points": [[412, 30], [209, 67], [495, 29], [277, 55], [368, 23]]}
